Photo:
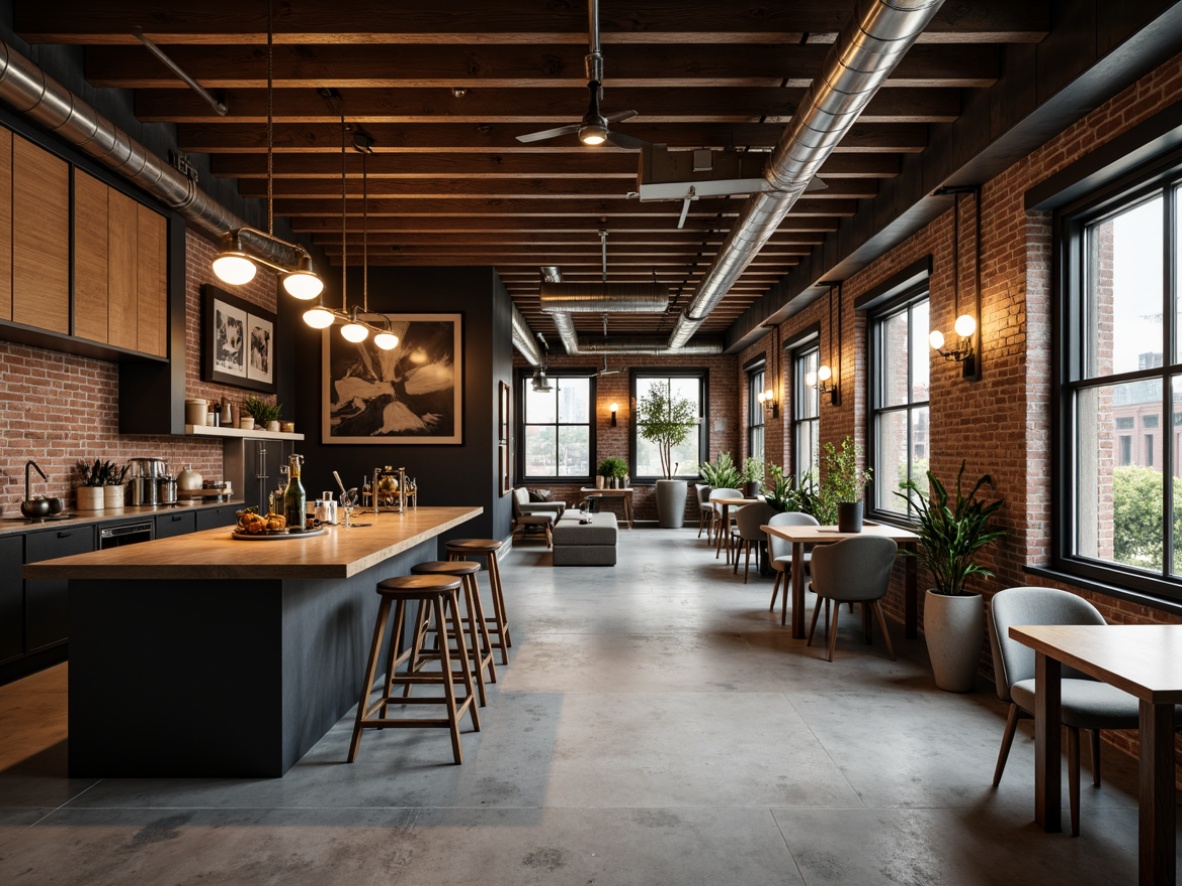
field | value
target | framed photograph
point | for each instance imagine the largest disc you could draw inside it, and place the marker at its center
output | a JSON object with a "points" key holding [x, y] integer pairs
{"points": [[504, 448], [411, 394], [238, 341]]}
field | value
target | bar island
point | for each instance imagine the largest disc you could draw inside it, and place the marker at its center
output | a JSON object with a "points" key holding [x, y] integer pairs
{"points": [[206, 655]]}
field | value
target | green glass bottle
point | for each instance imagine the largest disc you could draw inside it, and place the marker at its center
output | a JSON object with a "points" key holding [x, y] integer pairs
{"points": [[295, 502]]}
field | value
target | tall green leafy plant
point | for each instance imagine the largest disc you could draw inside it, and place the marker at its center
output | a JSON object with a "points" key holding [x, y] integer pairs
{"points": [[722, 474], [844, 480], [666, 422], [789, 494], [951, 534]]}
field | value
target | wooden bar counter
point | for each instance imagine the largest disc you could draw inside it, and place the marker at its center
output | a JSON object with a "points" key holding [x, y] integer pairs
{"points": [[204, 655]]}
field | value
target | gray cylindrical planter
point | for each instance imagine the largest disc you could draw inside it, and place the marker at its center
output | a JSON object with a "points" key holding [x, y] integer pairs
{"points": [[671, 503], [954, 628], [849, 516]]}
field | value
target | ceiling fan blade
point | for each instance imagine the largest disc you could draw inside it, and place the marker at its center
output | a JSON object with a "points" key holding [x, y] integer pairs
{"points": [[626, 141], [623, 115], [549, 133]]}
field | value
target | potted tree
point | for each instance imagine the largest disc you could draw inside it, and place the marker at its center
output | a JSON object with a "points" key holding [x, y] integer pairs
{"points": [[667, 421], [843, 486], [752, 475], [950, 535]]}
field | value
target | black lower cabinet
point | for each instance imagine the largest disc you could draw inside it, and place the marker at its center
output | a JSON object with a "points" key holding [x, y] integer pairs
{"points": [[12, 599], [47, 621], [177, 523], [212, 518]]}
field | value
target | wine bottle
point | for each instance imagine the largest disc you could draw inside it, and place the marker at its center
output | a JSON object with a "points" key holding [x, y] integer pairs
{"points": [[295, 502]]}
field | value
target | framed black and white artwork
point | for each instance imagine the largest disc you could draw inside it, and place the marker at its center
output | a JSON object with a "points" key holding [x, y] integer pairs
{"points": [[410, 394], [237, 341]]}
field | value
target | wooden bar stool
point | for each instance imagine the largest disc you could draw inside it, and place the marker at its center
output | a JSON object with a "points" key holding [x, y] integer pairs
{"points": [[479, 644], [486, 548], [439, 593]]}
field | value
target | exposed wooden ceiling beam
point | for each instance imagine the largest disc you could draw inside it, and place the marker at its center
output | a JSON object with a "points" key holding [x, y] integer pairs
{"points": [[590, 222], [601, 207]]}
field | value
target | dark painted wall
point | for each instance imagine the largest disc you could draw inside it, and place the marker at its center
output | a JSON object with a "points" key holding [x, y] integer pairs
{"points": [[447, 475]]}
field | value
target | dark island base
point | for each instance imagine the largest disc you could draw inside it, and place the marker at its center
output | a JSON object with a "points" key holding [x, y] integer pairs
{"points": [[216, 678]]}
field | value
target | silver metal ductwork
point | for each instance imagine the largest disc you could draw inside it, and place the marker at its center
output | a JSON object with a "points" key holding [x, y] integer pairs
{"points": [[41, 98], [601, 298], [648, 347], [523, 340], [866, 51]]}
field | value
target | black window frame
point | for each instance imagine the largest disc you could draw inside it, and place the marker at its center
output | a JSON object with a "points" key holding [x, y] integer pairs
{"points": [[524, 380], [703, 376], [798, 349], [756, 377]]}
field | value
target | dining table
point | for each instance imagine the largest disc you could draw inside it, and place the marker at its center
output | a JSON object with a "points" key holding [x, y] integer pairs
{"points": [[726, 504], [1146, 662], [800, 536]]}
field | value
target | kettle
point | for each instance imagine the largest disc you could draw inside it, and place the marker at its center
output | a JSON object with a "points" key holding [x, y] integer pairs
{"points": [[189, 479]]}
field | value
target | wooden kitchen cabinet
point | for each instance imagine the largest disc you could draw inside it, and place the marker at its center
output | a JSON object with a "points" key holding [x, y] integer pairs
{"points": [[152, 282], [47, 621], [90, 257], [5, 224], [122, 274], [40, 238]]}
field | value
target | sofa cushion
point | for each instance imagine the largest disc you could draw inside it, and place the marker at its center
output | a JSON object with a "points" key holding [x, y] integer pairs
{"points": [[601, 530], [540, 495]]}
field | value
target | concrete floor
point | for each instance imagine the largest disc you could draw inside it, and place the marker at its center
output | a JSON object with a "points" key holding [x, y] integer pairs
{"points": [[655, 725]]}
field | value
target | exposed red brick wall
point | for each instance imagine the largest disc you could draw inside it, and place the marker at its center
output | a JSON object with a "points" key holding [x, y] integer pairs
{"points": [[57, 408]]}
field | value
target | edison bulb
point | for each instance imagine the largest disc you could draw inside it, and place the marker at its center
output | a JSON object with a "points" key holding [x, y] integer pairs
{"points": [[965, 326]]}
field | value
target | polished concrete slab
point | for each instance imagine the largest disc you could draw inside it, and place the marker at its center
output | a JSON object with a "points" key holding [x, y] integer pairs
{"points": [[655, 725]]}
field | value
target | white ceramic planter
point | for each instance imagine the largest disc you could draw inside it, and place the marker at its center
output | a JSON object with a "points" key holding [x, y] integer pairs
{"points": [[954, 628], [671, 503], [89, 498]]}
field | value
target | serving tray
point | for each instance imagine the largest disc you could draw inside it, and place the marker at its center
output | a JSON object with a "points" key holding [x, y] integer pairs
{"points": [[273, 536]]}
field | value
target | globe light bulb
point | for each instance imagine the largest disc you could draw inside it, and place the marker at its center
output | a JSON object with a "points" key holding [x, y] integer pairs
{"points": [[319, 318], [824, 373], [810, 379], [387, 341], [965, 326], [234, 269], [304, 285], [354, 332], [936, 339]]}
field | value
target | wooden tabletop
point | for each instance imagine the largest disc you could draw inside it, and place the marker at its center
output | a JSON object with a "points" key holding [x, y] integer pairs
{"points": [[215, 554], [823, 534], [1143, 660]]}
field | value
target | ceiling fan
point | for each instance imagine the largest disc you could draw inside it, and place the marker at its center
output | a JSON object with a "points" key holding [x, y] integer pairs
{"points": [[594, 128]]}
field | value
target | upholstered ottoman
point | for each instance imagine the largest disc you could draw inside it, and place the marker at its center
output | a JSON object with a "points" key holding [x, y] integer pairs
{"points": [[585, 544]]}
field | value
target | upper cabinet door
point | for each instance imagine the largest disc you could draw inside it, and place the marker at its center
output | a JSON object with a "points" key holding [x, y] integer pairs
{"points": [[5, 224], [123, 279], [153, 282], [90, 257], [40, 238]]}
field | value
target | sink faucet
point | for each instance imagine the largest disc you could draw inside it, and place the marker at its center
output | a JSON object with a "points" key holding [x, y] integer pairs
{"points": [[28, 488]]}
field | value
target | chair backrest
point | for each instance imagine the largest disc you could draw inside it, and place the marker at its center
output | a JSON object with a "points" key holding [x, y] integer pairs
{"points": [[1013, 661], [856, 569], [723, 492], [703, 490], [751, 517], [520, 497], [779, 547]]}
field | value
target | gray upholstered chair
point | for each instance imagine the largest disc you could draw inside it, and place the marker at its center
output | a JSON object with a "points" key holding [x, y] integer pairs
{"points": [[779, 552], [716, 519], [705, 511], [535, 515], [522, 503], [1085, 703], [856, 570], [748, 521]]}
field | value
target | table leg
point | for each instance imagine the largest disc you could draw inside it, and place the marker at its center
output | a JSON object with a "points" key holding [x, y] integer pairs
{"points": [[628, 508], [1048, 805], [797, 592], [910, 599], [1157, 817]]}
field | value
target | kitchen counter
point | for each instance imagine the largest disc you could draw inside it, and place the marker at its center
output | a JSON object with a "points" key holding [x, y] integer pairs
{"points": [[202, 655], [13, 523]]}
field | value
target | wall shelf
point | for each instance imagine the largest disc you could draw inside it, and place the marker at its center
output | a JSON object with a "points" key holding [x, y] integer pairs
{"points": [[210, 431]]}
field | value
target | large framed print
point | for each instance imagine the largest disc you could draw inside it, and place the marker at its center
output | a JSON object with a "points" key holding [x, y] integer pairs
{"points": [[237, 341], [410, 394]]}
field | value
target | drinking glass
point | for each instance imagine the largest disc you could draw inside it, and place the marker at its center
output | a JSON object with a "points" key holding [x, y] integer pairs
{"points": [[348, 502]]}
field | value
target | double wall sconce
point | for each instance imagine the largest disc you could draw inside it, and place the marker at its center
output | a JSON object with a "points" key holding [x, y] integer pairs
{"points": [[966, 328], [614, 407], [767, 399], [823, 379]]}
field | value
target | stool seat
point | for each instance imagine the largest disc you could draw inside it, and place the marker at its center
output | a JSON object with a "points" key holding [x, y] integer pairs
{"points": [[446, 567], [474, 545], [438, 594]]}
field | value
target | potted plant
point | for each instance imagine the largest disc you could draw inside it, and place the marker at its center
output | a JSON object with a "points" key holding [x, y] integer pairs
{"points": [[950, 535], [844, 483], [722, 474], [265, 415], [667, 421], [94, 479], [752, 475], [114, 489], [612, 470]]}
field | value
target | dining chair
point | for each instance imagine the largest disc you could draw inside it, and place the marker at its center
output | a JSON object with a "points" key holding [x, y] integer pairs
{"points": [[705, 511], [748, 532], [716, 520], [1084, 703], [779, 551], [855, 570]]}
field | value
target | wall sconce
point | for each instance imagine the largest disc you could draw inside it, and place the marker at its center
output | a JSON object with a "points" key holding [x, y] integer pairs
{"points": [[614, 407], [823, 379], [968, 344], [963, 353], [767, 399]]}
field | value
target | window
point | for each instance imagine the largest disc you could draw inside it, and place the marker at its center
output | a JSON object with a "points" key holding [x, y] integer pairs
{"points": [[557, 430], [755, 386], [1119, 503], [899, 362], [806, 412], [690, 384]]}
